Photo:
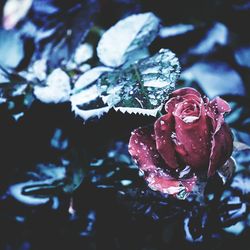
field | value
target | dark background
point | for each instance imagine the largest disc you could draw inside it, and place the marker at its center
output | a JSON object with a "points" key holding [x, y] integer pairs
{"points": [[104, 214]]}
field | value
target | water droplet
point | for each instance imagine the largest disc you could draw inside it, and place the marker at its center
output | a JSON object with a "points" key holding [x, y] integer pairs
{"points": [[126, 182], [153, 101], [182, 195], [151, 96], [173, 135], [163, 126], [141, 172]]}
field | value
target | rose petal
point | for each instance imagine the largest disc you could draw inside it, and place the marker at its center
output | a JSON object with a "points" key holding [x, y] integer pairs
{"points": [[163, 128], [170, 105], [221, 104], [142, 148], [222, 147], [185, 91], [222, 141], [187, 107], [216, 109], [165, 183], [192, 139]]}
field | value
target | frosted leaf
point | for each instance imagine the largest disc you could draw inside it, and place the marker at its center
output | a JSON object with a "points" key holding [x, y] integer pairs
{"points": [[83, 53], [86, 103], [142, 87], [89, 77], [85, 96], [90, 113], [14, 11], [126, 37], [57, 89], [148, 112], [85, 100]]}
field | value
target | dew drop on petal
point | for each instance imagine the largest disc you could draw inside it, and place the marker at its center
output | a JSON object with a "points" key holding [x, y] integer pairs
{"points": [[141, 172]]}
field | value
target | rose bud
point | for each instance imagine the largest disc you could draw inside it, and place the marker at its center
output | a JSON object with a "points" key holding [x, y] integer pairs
{"points": [[191, 136]]}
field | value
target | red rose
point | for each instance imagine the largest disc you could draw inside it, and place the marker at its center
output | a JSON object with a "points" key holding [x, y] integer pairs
{"points": [[192, 134]]}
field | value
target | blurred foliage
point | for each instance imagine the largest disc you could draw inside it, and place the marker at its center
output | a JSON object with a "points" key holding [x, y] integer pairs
{"points": [[69, 185]]}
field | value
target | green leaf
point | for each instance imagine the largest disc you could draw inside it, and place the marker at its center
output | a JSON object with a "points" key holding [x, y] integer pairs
{"points": [[142, 87], [123, 41]]}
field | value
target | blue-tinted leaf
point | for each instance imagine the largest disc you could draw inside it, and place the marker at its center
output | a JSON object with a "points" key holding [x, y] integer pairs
{"points": [[57, 89], [58, 28], [215, 78], [241, 182], [236, 229], [242, 56], [83, 53], [126, 37], [14, 11], [11, 49], [85, 101], [216, 35], [16, 191], [175, 30]]}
